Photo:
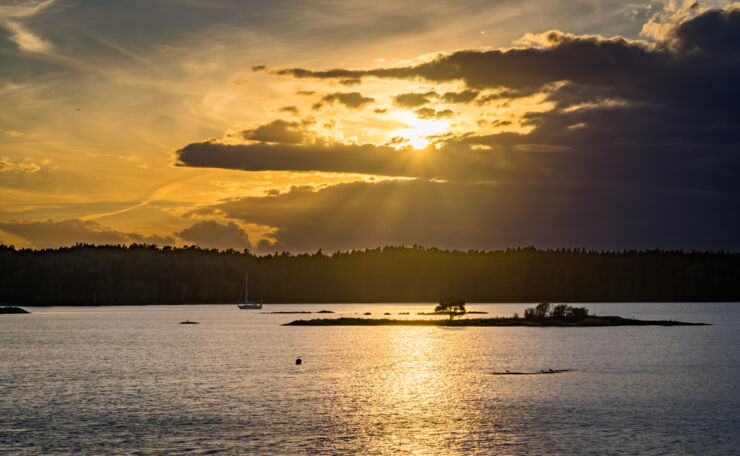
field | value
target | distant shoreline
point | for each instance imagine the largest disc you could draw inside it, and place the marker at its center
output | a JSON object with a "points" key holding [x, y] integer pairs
{"points": [[141, 275]]}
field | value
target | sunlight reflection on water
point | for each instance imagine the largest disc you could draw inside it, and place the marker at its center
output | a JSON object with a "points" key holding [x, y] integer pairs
{"points": [[127, 379]]}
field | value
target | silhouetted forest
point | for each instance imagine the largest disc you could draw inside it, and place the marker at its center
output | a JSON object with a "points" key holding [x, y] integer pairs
{"points": [[144, 274]]}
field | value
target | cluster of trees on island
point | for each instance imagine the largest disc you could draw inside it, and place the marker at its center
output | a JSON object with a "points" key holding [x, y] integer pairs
{"points": [[545, 311], [146, 274], [454, 306]]}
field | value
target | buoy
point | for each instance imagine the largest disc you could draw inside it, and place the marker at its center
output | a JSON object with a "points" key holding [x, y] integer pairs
{"points": [[298, 362]]}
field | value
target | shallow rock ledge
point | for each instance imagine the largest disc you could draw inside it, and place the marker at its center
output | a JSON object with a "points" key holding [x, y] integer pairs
{"points": [[591, 321]]}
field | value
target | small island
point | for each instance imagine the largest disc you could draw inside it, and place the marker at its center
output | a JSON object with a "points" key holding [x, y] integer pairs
{"points": [[542, 315], [13, 310]]}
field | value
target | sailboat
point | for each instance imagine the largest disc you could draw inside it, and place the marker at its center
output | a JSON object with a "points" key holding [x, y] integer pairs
{"points": [[246, 305]]}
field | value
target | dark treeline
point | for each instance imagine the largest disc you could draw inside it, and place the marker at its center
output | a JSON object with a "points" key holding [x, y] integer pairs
{"points": [[143, 274]]}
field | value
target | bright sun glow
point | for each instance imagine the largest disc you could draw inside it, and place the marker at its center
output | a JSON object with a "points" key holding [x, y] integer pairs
{"points": [[418, 129]]}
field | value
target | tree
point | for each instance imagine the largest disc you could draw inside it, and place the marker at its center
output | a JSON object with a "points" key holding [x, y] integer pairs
{"points": [[451, 305], [538, 313], [543, 311], [559, 311], [576, 313]]}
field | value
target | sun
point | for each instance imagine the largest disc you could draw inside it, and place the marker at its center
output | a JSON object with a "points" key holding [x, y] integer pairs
{"points": [[418, 130]]}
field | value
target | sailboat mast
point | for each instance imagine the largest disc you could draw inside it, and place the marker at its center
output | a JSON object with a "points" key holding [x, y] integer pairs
{"points": [[246, 286]]}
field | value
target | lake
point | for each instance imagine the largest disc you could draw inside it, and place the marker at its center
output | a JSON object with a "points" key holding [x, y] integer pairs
{"points": [[130, 380]]}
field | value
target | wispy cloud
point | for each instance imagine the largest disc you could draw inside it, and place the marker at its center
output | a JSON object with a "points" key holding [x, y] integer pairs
{"points": [[26, 166], [11, 19]]}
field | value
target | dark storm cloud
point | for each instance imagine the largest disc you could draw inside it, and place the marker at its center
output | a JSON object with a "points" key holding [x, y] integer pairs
{"points": [[413, 100], [698, 60], [506, 94], [353, 100], [425, 113], [641, 149], [615, 98], [459, 162], [666, 117], [578, 59], [279, 131], [291, 109], [214, 235], [712, 32], [466, 96], [490, 216], [428, 113], [51, 233], [350, 82]]}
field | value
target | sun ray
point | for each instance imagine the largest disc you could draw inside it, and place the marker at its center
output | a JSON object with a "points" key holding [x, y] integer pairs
{"points": [[418, 131]]}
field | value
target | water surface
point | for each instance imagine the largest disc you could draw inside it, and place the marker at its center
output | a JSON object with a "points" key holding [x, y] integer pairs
{"points": [[130, 380]]}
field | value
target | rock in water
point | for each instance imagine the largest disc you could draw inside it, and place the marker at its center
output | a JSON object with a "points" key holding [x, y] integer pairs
{"points": [[13, 310]]}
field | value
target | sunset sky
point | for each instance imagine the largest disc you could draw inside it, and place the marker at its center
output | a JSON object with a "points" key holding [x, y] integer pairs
{"points": [[279, 125]]}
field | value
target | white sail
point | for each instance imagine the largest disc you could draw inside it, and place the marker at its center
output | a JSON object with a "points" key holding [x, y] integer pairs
{"points": [[247, 304]]}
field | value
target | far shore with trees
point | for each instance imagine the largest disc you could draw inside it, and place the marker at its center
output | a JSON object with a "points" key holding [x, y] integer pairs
{"points": [[146, 274]]}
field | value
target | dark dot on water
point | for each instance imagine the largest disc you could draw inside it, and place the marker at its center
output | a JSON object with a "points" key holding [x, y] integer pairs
{"points": [[298, 361]]}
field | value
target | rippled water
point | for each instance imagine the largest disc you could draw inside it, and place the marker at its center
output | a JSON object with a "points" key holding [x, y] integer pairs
{"points": [[130, 380]]}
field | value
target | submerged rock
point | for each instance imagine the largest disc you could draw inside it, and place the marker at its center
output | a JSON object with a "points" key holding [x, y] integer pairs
{"points": [[541, 372], [288, 312]]}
